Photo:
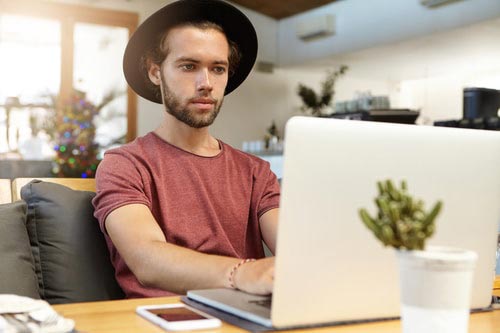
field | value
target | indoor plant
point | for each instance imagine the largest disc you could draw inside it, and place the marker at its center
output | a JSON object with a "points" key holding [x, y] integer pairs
{"points": [[402, 221], [435, 282], [313, 102]]}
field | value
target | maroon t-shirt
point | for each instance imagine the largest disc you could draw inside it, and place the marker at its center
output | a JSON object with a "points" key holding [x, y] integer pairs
{"points": [[208, 204]]}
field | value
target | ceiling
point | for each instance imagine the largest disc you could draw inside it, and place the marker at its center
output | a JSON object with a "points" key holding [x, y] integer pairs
{"points": [[279, 9]]}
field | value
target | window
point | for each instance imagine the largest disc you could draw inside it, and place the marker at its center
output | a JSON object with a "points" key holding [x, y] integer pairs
{"points": [[48, 50]]}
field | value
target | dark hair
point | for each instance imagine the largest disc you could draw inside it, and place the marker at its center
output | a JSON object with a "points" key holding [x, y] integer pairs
{"points": [[158, 53]]}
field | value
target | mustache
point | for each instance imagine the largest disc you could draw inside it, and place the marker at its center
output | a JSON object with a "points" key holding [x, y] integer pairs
{"points": [[206, 99]]}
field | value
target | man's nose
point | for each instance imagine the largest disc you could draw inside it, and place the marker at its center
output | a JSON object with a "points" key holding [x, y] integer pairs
{"points": [[203, 80]]}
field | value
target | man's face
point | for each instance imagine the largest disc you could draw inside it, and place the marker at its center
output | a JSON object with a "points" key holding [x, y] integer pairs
{"points": [[194, 75]]}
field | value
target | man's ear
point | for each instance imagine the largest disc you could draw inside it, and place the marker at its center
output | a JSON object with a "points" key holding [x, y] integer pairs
{"points": [[154, 73]]}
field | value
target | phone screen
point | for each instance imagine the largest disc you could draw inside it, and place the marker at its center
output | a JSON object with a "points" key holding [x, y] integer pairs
{"points": [[177, 314]]}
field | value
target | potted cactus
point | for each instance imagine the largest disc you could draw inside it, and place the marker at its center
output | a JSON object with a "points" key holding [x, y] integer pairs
{"points": [[435, 282], [401, 221]]}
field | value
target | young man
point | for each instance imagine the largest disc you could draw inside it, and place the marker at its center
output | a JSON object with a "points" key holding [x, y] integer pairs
{"points": [[179, 208]]}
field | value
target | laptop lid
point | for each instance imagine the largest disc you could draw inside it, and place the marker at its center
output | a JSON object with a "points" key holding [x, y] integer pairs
{"points": [[329, 267]]}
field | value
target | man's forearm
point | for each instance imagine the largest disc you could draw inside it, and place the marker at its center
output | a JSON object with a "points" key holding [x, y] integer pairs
{"points": [[157, 263], [178, 269]]}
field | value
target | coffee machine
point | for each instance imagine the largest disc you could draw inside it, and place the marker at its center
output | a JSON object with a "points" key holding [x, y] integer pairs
{"points": [[480, 110], [481, 103]]}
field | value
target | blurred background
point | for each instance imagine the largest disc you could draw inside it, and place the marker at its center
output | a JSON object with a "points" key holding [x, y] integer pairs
{"points": [[64, 100]]}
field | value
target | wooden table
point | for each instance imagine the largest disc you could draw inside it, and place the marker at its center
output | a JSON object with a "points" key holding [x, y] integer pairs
{"points": [[120, 317], [496, 286]]}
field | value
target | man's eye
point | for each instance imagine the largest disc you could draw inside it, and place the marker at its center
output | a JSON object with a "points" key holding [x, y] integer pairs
{"points": [[219, 70], [187, 67]]}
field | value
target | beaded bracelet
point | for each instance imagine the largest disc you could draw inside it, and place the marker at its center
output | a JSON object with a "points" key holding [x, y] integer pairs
{"points": [[234, 269]]}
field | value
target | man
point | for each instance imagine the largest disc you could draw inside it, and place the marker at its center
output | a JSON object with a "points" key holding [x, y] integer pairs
{"points": [[179, 208]]}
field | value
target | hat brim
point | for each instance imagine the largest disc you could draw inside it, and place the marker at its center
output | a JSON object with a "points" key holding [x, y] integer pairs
{"points": [[235, 24]]}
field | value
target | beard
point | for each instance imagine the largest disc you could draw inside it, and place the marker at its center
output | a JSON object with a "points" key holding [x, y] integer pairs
{"points": [[181, 112]]}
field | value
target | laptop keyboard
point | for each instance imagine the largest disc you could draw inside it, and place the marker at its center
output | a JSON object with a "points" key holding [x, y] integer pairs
{"points": [[264, 302]]}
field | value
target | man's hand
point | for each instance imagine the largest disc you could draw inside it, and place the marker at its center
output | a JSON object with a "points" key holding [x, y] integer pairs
{"points": [[255, 277]]}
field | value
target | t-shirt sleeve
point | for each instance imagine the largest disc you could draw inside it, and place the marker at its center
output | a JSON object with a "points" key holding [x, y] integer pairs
{"points": [[119, 182], [270, 198]]}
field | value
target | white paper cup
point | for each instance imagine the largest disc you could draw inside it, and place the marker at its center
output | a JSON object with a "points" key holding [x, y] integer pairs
{"points": [[435, 289]]}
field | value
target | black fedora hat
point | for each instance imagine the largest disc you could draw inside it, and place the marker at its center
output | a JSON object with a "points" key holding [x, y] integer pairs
{"points": [[235, 24]]}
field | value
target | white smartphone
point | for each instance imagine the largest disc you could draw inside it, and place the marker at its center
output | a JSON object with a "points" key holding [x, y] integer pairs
{"points": [[177, 317]]}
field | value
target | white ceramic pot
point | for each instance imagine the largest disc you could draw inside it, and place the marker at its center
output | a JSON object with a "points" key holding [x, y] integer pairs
{"points": [[435, 289]]}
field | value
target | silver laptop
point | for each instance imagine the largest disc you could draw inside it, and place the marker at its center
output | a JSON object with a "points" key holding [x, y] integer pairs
{"points": [[329, 267]]}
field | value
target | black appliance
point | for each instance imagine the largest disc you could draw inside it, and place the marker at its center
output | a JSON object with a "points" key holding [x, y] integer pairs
{"points": [[481, 103], [480, 110]]}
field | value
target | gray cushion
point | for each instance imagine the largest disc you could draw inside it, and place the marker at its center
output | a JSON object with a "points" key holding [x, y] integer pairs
{"points": [[71, 257], [17, 268]]}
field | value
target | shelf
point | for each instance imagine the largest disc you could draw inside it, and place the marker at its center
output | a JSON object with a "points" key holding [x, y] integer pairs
{"points": [[402, 116]]}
